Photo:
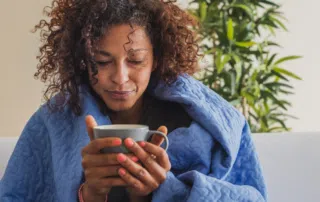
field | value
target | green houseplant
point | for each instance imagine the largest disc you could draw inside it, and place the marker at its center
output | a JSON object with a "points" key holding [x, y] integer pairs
{"points": [[235, 40]]}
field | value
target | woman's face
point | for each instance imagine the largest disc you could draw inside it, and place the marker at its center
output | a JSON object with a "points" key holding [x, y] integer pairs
{"points": [[124, 66]]}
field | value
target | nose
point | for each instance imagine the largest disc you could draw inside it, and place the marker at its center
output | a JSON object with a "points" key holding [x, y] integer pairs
{"points": [[120, 75]]}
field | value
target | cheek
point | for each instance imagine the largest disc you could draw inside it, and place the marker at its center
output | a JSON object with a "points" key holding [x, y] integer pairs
{"points": [[143, 77]]}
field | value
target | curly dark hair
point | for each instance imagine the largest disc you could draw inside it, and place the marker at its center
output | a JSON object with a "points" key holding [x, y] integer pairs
{"points": [[70, 38]]}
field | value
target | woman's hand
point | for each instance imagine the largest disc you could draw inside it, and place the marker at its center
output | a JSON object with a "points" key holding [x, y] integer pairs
{"points": [[101, 170], [142, 180]]}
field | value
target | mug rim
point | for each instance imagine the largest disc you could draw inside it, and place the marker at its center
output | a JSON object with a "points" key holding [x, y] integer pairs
{"points": [[121, 127]]}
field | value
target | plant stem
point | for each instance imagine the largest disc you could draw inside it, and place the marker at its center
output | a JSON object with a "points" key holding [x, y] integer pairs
{"points": [[214, 50], [245, 108]]}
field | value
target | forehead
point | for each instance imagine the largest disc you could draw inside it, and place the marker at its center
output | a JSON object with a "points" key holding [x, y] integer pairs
{"points": [[124, 37]]}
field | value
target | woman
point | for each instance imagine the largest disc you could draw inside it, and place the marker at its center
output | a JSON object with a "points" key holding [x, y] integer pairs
{"points": [[128, 62]]}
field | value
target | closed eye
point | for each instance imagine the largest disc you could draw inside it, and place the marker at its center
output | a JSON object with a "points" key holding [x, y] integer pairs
{"points": [[103, 63], [135, 62]]}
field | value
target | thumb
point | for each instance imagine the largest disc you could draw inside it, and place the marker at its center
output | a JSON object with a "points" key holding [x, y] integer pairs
{"points": [[157, 139], [90, 123]]}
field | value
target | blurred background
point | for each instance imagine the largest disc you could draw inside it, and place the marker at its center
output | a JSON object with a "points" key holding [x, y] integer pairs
{"points": [[21, 94], [261, 57]]}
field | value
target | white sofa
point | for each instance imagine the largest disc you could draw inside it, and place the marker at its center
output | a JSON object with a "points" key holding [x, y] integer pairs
{"points": [[290, 161], [291, 165], [6, 148]]}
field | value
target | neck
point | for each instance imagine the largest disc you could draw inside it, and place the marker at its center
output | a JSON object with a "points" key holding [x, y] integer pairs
{"points": [[130, 116]]}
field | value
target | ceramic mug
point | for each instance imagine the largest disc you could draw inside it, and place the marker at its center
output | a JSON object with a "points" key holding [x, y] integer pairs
{"points": [[124, 131]]}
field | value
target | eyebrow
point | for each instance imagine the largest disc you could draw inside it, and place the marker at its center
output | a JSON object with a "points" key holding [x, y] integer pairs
{"points": [[105, 53], [136, 50]]}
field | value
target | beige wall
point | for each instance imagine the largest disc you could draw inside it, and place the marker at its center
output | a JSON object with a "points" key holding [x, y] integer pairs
{"points": [[21, 94], [303, 39]]}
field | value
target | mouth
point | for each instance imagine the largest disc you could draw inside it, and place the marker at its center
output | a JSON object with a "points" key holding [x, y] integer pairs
{"points": [[120, 95]]}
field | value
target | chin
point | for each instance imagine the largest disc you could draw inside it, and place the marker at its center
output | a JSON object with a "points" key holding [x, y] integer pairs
{"points": [[118, 107]]}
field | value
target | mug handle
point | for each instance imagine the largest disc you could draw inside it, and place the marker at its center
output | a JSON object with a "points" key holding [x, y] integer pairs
{"points": [[152, 132]]}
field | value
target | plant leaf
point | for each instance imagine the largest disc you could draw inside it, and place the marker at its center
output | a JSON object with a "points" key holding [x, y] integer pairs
{"points": [[203, 11], [271, 43], [281, 60], [268, 2], [230, 31], [245, 44], [248, 96], [264, 78], [233, 83], [218, 59], [237, 35], [285, 115], [279, 75], [265, 121], [279, 23], [286, 92], [280, 121], [243, 7], [276, 84], [254, 116], [286, 72], [224, 60], [275, 129], [266, 94], [271, 59]]}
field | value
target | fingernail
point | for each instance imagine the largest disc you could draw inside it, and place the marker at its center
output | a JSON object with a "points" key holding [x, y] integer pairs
{"points": [[121, 158], [135, 159], [122, 171], [142, 144], [129, 142], [117, 142]]}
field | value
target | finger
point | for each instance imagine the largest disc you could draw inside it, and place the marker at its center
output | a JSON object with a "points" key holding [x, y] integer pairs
{"points": [[91, 123], [113, 182], [136, 149], [137, 185], [96, 145], [96, 160], [130, 180], [161, 155], [101, 172], [138, 171], [105, 183], [151, 165], [100, 160], [157, 139]]}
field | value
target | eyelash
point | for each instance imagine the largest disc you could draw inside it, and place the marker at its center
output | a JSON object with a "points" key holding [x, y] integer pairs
{"points": [[136, 62], [109, 62], [103, 63]]}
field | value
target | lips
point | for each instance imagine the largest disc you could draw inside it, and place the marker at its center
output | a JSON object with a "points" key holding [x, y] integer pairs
{"points": [[120, 94]]}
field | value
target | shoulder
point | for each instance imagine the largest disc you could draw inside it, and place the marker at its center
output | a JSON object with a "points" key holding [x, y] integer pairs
{"points": [[54, 118]]}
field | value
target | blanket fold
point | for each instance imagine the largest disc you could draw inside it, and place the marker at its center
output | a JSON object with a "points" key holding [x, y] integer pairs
{"points": [[214, 159]]}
